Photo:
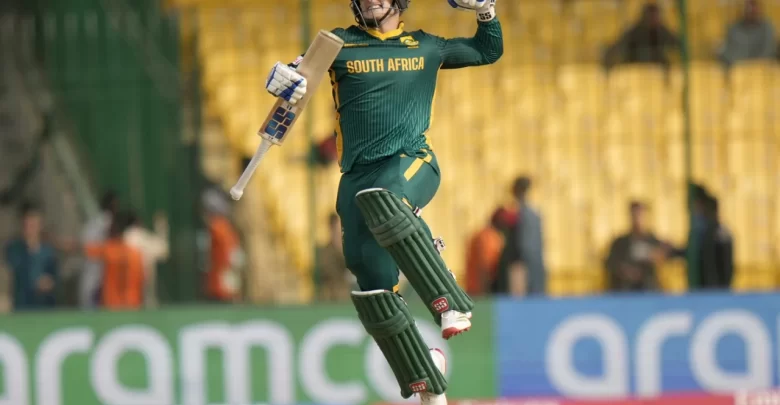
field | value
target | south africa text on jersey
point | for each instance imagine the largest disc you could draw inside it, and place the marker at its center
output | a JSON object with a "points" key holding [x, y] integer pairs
{"points": [[386, 65]]}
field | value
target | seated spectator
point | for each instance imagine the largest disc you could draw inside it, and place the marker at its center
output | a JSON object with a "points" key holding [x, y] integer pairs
{"points": [[713, 248], [750, 38], [633, 257], [33, 265], [645, 42], [334, 281], [484, 252], [123, 270]]}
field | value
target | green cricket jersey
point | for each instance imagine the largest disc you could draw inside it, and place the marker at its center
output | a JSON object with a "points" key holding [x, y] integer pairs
{"points": [[383, 86]]}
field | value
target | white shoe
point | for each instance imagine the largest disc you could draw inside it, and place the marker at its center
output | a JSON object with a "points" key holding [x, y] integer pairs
{"points": [[429, 398], [454, 323]]}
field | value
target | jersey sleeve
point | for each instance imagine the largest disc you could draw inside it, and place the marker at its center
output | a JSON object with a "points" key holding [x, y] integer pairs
{"points": [[484, 48]]}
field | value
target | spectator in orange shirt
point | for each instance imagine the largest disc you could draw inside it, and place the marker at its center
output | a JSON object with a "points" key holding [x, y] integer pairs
{"points": [[123, 270], [484, 252], [223, 279]]}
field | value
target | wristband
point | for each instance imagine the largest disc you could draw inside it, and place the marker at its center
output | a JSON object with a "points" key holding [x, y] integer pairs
{"points": [[487, 13]]}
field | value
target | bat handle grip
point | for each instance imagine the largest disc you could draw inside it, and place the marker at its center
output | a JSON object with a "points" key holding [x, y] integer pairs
{"points": [[238, 190]]}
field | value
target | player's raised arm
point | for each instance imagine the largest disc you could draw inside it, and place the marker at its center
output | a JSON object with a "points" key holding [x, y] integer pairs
{"points": [[484, 48]]}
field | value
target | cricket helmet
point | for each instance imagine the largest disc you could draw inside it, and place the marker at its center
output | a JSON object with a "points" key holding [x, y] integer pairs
{"points": [[354, 5]]}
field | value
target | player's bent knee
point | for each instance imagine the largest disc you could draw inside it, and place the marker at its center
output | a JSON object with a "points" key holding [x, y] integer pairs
{"points": [[386, 318], [397, 228]]}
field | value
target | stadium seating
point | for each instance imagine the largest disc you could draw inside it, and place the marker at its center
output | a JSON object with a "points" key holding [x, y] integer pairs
{"points": [[591, 141]]}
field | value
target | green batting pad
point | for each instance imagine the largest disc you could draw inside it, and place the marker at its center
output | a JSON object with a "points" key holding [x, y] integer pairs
{"points": [[402, 233], [388, 321]]}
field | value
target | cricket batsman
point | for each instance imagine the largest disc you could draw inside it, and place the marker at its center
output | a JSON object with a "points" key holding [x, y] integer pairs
{"points": [[383, 86]]}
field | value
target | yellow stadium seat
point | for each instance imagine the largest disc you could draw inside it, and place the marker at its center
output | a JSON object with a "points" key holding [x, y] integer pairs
{"points": [[754, 280], [637, 76], [705, 76], [772, 9], [699, 7], [638, 88], [557, 285], [754, 75], [601, 22], [673, 277], [530, 11], [708, 30], [583, 86]]}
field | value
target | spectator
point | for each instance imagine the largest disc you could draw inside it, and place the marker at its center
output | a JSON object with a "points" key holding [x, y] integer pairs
{"points": [[325, 152], [645, 42], [751, 38], [484, 252], [33, 265], [696, 235], [334, 281], [714, 255], [123, 271], [522, 271], [95, 232], [633, 257], [321, 154], [223, 277], [153, 246]]}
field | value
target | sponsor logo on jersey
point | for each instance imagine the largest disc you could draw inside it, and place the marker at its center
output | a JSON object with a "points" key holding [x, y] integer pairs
{"points": [[409, 41]]}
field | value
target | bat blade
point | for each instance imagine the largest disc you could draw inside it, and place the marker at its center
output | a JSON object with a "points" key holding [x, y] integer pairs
{"points": [[283, 115], [319, 57]]}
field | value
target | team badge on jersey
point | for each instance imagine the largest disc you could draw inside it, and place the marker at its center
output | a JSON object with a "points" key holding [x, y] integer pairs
{"points": [[409, 41]]}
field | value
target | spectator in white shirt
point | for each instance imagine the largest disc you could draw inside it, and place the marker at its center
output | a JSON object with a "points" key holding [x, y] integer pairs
{"points": [[154, 248], [96, 231]]}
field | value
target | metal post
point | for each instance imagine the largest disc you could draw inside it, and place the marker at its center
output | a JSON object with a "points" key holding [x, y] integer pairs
{"points": [[309, 128], [691, 254]]}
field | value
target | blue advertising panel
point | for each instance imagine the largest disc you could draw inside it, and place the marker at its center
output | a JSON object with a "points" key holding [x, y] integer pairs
{"points": [[637, 345]]}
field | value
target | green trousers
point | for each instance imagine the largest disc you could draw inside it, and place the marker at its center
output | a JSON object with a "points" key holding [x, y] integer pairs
{"points": [[413, 178]]}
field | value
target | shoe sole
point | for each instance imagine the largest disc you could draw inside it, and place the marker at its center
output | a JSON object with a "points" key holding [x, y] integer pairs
{"points": [[450, 332]]}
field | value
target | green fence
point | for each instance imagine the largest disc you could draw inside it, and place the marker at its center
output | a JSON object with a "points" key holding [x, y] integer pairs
{"points": [[220, 355], [114, 68]]}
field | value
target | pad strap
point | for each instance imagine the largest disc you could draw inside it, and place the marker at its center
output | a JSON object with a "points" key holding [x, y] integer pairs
{"points": [[403, 234], [386, 318]]}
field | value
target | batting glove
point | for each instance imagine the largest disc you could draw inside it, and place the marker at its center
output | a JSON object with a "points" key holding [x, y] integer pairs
{"points": [[486, 9], [285, 82]]}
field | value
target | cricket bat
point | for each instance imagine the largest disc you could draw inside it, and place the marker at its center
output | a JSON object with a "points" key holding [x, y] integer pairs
{"points": [[316, 62]]}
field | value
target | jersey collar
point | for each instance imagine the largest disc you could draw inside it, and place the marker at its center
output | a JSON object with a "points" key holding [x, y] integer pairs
{"points": [[384, 35]]}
